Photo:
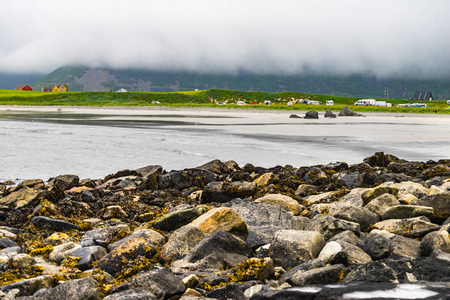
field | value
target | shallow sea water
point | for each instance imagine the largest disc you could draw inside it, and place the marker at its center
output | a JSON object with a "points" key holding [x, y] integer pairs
{"points": [[90, 145]]}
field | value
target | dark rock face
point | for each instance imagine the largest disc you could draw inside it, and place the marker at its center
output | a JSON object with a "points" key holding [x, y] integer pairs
{"points": [[6, 243], [177, 219], [377, 246], [379, 159], [52, 224], [439, 202], [65, 182], [312, 115], [294, 116], [30, 286], [347, 112], [88, 255], [231, 291], [79, 289], [224, 191], [324, 275], [330, 114], [402, 270], [161, 283], [218, 250]]}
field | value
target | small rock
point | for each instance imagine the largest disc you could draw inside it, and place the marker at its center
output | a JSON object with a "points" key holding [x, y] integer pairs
{"points": [[324, 275]]}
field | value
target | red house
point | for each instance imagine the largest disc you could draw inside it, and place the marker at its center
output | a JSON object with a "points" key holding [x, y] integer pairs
{"points": [[23, 87]]}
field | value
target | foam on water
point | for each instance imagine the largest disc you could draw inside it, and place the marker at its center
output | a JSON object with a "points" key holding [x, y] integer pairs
{"points": [[402, 291]]}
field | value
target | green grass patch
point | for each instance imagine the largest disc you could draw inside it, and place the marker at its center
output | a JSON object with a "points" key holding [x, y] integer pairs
{"points": [[206, 98]]}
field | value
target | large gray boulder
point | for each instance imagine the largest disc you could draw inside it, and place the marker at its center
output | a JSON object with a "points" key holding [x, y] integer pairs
{"points": [[217, 251], [381, 203], [293, 247], [376, 245], [141, 243], [347, 112], [262, 220], [181, 242], [330, 226], [361, 215], [440, 203], [438, 240]]}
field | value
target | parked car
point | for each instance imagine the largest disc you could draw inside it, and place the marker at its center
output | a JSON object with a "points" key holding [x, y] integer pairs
{"points": [[313, 102], [240, 103]]}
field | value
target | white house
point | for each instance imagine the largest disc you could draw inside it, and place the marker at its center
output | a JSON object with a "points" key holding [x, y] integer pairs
{"points": [[122, 90]]}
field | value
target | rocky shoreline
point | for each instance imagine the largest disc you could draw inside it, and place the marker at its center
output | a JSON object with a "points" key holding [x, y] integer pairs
{"points": [[224, 231]]}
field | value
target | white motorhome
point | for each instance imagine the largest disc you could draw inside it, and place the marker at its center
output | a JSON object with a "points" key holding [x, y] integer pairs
{"points": [[240, 103], [329, 102], [372, 102], [366, 102]]}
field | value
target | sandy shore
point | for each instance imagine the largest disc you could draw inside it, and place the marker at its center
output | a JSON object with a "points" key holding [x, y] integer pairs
{"points": [[251, 115]]}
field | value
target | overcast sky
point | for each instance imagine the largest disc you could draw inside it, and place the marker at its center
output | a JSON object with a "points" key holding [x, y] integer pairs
{"points": [[380, 37]]}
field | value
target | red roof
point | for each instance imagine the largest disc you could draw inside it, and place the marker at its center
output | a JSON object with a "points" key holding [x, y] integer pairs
{"points": [[23, 87]]}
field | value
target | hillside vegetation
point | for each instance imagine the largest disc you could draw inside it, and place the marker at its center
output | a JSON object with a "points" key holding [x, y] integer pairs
{"points": [[80, 78], [205, 98]]}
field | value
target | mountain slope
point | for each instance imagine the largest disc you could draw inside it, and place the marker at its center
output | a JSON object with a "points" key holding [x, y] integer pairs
{"points": [[79, 78]]}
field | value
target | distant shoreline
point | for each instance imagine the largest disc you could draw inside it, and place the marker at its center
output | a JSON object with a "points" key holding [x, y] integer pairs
{"points": [[133, 110]]}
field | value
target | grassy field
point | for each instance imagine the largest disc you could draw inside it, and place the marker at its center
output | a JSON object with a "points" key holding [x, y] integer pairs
{"points": [[206, 98]]}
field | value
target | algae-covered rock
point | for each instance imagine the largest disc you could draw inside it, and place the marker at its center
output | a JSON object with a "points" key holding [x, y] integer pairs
{"points": [[285, 202], [181, 242], [399, 226], [221, 218], [438, 240], [177, 219], [161, 283]]}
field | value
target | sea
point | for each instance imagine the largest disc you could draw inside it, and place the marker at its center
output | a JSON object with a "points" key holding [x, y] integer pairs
{"points": [[93, 144]]}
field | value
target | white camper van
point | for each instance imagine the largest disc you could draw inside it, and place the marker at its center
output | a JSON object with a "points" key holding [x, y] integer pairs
{"points": [[329, 102], [366, 102]]}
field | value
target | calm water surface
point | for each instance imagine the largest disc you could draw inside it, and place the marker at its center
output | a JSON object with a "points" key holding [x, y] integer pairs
{"points": [[44, 145]]}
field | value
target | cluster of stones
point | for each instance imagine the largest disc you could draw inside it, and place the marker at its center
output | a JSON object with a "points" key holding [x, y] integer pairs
{"points": [[345, 112], [222, 231]]}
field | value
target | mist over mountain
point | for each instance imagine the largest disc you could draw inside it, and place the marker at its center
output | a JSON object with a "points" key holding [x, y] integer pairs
{"points": [[81, 78]]}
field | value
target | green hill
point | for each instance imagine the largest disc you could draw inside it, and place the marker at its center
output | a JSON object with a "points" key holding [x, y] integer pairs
{"points": [[79, 78]]}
